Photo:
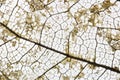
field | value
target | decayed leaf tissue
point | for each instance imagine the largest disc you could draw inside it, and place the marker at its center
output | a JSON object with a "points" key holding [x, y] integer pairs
{"points": [[59, 40]]}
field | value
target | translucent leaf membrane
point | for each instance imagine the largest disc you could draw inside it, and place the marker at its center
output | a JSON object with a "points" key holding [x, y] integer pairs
{"points": [[59, 40]]}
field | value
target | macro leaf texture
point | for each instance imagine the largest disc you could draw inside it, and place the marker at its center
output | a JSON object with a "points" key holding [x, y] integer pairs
{"points": [[59, 40]]}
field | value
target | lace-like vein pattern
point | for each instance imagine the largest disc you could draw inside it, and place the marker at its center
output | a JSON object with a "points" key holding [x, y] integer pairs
{"points": [[59, 40]]}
